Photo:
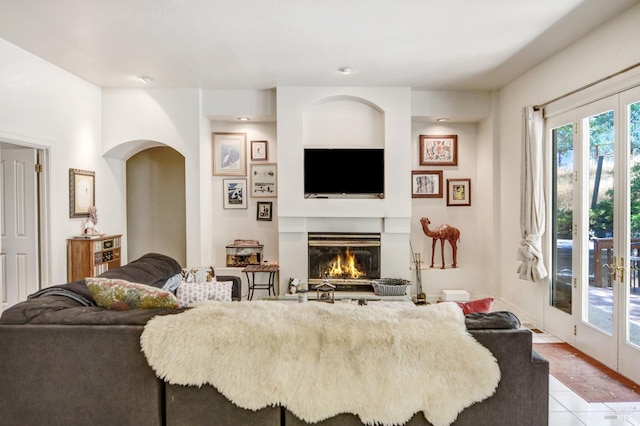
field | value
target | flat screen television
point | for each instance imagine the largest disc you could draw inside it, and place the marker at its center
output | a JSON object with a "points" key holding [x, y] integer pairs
{"points": [[344, 172]]}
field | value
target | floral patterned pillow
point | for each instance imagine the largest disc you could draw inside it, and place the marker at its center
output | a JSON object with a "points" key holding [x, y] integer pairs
{"points": [[189, 293], [121, 295]]}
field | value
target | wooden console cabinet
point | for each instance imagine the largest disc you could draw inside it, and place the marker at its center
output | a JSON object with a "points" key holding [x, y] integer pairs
{"points": [[88, 257]]}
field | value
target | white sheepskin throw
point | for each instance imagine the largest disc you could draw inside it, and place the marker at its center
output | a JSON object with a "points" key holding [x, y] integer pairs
{"points": [[319, 360]]}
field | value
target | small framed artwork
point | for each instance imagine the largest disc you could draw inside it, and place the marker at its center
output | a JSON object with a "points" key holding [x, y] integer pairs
{"points": [[263, 180], [426, 184], [229, 154], [458, 192], [235, 193], [82, 192], [438, 150], [259, 150], [264, 210]]}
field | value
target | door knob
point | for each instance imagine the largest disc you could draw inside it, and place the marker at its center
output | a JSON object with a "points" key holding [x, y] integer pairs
{"points": [[613, 269]]}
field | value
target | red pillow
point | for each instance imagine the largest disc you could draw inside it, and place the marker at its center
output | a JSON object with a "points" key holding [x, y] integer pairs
{"points": [[480, 305]]}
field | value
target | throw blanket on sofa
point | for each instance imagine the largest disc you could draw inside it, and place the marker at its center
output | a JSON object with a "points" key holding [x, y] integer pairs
{"points": [[320, 360]]}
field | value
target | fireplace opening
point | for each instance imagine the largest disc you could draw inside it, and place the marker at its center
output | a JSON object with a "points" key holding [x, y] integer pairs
{"points": [[348, 260]]}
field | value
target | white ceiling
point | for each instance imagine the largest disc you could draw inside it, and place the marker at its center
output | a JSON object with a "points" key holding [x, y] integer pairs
{"points": [[260, 44]]}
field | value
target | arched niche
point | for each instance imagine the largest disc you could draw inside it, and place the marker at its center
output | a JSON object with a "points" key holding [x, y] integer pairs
{"points": [[126, 150], [343, 122]]}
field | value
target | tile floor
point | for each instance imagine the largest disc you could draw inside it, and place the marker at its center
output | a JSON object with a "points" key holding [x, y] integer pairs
{"points": [[566, 408]]}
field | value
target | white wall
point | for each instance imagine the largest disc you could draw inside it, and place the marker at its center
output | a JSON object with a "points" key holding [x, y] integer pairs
{"points": [[471, 119], [241, 224], [134, 120], [395, 105], [118, 123], [605, 51], [137, 119], [385, 110], [42, 105], [471, 273]]}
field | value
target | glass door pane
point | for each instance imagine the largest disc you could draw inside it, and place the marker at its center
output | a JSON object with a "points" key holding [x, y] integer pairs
{"points": [[629, 284], [633, 300], [600, 132], [561, 294]]}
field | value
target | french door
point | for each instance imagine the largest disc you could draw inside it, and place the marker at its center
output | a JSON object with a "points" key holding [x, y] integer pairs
{"points": [[594, 297]]}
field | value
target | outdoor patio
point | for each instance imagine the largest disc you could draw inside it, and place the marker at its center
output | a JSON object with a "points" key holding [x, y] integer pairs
{"points": [[600, 310]]}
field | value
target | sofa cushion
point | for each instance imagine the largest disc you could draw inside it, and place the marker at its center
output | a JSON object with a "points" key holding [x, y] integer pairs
{"points": [[189, 293], [501, 320], [122, 295]]}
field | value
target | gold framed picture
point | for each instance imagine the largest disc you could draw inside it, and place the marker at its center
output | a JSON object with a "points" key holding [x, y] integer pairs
{"points": [[82, 192]]}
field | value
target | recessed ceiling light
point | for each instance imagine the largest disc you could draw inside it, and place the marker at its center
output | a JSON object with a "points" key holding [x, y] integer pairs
{"points": [[345, 70], [441, 119], [144, 79], [243, 118]]}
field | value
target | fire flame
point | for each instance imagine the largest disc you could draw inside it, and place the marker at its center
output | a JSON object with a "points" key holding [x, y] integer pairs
{"points": [[345, 268]]}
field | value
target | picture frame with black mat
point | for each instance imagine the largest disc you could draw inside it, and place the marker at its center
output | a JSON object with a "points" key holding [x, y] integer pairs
{"points": [[264, 211]]}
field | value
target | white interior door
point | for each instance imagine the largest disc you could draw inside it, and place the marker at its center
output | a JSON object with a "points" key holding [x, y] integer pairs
{"points": [[19, 224]]}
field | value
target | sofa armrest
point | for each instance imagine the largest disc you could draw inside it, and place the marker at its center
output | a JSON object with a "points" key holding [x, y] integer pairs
{"points": [[522, 396]]}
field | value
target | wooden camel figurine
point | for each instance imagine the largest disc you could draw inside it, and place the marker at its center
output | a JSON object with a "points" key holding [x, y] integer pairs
{"points": [[442, 233]]}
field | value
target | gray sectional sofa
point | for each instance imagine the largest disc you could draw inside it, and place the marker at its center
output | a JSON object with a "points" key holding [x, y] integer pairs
{"points": [[66, 362]]}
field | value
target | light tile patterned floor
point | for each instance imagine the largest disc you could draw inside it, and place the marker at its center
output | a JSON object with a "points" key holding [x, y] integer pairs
{"points": [[566, 408]]}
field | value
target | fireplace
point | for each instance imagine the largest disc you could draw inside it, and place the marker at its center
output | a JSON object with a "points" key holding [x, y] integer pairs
{"points": [[348, 260]]}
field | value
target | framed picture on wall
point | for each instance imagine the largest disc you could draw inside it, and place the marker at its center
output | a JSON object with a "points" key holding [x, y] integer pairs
{"points": [[426, 184], [259, 150], [264, 211], [458, 192], [82, 192], [438, 150], [235, 194], [229, 154], [263, 180]]}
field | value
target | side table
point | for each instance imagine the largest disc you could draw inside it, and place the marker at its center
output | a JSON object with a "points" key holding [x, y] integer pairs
{"points": [[251, 271]]}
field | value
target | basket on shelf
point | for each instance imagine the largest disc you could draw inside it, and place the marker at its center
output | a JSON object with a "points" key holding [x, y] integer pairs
{"points": [[390, 286]]}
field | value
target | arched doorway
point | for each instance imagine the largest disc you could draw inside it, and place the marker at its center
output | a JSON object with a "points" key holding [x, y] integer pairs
{"points": [[156, 206]]}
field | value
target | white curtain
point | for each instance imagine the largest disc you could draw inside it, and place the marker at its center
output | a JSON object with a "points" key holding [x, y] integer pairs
{"points": [[532, 203]]}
